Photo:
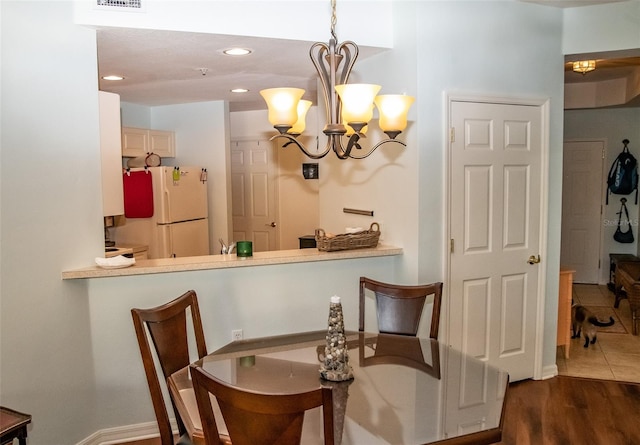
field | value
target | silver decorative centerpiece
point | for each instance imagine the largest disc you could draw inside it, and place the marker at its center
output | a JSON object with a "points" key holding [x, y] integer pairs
{"points": [[335, 364]]}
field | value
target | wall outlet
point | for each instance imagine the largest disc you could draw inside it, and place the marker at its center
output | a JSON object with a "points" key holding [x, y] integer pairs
{"points": [[236, 334]]}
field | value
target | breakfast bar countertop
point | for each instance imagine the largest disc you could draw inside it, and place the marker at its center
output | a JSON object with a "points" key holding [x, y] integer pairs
{"points": [[166, 265]]}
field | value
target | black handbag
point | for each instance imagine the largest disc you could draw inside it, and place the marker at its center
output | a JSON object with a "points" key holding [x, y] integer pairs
{"points": [[620, 236]]}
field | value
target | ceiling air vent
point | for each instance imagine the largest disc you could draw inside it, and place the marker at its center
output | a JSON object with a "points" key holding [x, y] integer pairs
{"points": [[125, 4]]}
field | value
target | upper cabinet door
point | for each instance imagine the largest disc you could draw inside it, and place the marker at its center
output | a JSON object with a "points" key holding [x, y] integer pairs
{"points": [[141, 141], [112, 195], [134, 142], [162, 143]]}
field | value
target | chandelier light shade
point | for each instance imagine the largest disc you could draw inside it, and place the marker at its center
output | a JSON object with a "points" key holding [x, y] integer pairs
{"points": [[584, 66], [393, 111], [357, 102], [298, 127], [283, 105], [349, 107]]}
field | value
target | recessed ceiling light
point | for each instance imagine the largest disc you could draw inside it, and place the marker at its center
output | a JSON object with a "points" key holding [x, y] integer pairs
{"points": [[112, 77], [237, 51], [239, 90]]}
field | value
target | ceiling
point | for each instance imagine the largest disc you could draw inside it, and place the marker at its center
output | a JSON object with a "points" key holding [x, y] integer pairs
{"points": [[169, 67], [571, 3], [612, 67], [609, 66]]}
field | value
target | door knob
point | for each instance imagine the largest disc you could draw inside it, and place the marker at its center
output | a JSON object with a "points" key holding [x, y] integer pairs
{"points": [[271, 224], [534, 259]]}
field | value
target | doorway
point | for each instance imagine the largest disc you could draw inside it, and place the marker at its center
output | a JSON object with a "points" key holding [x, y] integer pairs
{"points": [[582, 193], [496, 213], [273, 203], [254, 194]]}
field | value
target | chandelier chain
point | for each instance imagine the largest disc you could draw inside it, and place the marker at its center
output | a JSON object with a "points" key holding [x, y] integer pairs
{"points": [[334, 19]]}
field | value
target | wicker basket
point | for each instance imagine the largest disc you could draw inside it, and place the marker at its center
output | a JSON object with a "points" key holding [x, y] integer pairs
{"points": [[348, 241]]}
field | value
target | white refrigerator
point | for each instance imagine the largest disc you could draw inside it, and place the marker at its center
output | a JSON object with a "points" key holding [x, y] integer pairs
{"points": [[179, 226]]}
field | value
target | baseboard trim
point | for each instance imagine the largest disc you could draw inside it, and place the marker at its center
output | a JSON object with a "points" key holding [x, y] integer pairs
{"points": [[549, 371], [127, 433]]}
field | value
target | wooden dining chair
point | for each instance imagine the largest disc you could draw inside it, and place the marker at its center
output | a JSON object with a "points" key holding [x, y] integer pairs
{"points": [[167, 327], [258, 418], [399, 308]]}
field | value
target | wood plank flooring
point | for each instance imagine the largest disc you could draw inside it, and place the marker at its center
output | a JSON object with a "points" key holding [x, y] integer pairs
{"points": [[565, 411], [570, 410]]}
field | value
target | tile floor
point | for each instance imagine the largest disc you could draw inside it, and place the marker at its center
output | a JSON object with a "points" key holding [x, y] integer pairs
{"points": [[614, 356]]}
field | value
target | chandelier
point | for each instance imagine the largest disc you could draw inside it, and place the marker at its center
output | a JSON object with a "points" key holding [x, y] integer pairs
{"points": [[349, 107], [584, 66]]}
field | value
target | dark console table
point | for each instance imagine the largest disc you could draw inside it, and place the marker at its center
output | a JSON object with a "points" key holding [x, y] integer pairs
{"points": [[614, 259]]}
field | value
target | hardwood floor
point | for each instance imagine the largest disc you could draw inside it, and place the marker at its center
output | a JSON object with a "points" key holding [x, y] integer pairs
{"points": [[565, 411], [571, 410], [155, 441]]}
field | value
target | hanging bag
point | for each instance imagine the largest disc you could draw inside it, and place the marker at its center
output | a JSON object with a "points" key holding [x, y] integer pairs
{"points": [[620, 236], [623, 174]]}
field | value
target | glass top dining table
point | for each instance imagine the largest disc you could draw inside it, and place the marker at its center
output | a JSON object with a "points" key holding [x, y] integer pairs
{"points": [[405, 390]]}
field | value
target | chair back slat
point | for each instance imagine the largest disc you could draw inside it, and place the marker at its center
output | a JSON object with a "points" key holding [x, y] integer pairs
{"points": [[399, 315], [399, 308], [170, 340]]}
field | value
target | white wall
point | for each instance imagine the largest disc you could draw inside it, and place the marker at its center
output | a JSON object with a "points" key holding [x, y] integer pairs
{"points": [[68, 351], [388, 182], [601, 28], [611, 125], [298, 199], [260, 301], [271, 19], [202, 139], [474, 61], [605, 93], [51, 218], [134, 115]]}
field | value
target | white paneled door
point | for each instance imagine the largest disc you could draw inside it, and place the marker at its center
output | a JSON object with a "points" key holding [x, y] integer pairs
{"points": [[495, 220], [582, 188], [254, 200]]}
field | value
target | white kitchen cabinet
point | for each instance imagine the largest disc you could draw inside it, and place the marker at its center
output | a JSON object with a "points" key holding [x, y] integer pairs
{"points": [[162, 143], [134, 142], [110, 153], [140, 141]]}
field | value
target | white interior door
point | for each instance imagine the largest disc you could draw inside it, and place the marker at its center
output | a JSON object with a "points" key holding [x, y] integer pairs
{"points": [[495, 220], [582, 187], [468, 395], [254, 199]]}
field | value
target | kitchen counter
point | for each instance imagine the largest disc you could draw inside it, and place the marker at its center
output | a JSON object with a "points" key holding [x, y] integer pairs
{"points": [[167, 265]]}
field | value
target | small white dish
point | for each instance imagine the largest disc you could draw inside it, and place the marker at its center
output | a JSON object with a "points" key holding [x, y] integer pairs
{"points": [[116, 262]]}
